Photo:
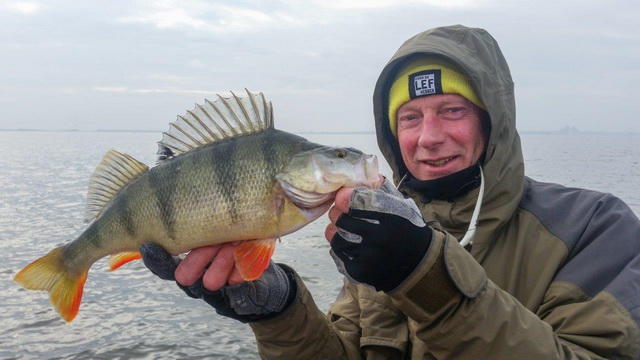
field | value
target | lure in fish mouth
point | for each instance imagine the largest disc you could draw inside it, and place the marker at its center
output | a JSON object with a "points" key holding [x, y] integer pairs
{"points": [[312, 178]]}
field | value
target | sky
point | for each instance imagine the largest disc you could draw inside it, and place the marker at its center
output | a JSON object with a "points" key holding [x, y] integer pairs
{"points": [[135, 65]]}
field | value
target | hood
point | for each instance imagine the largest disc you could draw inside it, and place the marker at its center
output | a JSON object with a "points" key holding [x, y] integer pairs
{"points": [[477, 53]]}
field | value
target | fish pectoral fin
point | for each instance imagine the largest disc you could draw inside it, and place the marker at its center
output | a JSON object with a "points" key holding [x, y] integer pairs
{"points": [[117, 260], [253, 256]]}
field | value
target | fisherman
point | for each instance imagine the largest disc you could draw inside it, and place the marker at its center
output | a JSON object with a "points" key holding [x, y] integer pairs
{"points": [[549, 272]]}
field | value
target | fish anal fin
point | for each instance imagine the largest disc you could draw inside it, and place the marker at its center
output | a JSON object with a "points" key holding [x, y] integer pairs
{"points": [[117, 260], [64, 286], [253, 256], [115, 171]]}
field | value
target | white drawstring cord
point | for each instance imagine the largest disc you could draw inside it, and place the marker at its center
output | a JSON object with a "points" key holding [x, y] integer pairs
{"points": [[401, 180], [468, 237]]}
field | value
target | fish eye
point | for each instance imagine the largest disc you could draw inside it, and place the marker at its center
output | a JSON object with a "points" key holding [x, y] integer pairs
{"points": [[341, 154]]}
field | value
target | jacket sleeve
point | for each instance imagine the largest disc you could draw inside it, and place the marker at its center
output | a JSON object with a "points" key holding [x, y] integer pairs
{"points": [[361, 324], [302, 331], [460, 314]]}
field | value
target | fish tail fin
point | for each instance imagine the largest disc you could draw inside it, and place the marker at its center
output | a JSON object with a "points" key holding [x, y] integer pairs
{"points": [[64, 286]]}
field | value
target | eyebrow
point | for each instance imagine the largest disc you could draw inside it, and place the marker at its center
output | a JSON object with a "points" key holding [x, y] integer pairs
{"points": [[455, 102]]}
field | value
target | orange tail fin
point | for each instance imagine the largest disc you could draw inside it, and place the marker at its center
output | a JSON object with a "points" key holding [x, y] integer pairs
{"points": [[64, 286]]}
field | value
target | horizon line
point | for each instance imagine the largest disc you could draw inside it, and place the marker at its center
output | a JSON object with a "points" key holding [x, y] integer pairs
{"points": [[531, 132]]}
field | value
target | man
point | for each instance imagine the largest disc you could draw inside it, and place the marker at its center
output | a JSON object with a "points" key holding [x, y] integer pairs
{"points": [[549, 273]]}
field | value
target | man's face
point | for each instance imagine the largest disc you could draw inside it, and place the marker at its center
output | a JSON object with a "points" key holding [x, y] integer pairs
{"points": [[439, 135]]}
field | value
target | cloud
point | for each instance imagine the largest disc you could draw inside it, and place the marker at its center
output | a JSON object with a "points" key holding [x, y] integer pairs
{"points": [[280, 91], [124, 89], [166, 77], [219, 19], [168, 18], [199, 64], [222, 18], [378, 4], [22, 7]]}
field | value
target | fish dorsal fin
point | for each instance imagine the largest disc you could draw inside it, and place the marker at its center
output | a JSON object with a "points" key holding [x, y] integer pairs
{"points": [[115, 171], [214, 121]]}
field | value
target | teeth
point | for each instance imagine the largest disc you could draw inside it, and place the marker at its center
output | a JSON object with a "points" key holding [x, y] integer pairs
{"points": [[439, 162]]}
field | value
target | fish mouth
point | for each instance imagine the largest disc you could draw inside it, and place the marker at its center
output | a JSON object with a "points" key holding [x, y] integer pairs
{"points": [[305, 199]]}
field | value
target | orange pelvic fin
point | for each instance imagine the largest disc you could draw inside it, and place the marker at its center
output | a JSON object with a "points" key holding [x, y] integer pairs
{"points": [[253, 256], [64, 285], [117, 260]]}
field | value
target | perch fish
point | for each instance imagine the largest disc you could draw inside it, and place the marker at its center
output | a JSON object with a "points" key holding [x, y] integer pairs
{"points": [[224, 174]]}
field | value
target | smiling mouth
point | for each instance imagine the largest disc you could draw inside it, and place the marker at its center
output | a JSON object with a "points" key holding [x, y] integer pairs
{"points": [[439, 162]]}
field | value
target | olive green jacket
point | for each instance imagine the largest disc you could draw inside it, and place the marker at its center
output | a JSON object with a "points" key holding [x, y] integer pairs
{"points": [[553, 272]]}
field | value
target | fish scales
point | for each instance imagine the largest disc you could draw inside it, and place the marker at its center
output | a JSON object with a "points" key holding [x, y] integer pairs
{"points": [[256, 185], [222, 189]]}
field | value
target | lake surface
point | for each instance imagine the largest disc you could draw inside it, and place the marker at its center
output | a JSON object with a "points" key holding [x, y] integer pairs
{"points": [[132, 314]]}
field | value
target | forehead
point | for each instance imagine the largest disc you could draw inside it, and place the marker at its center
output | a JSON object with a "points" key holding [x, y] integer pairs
{"points": [[436, 101]]}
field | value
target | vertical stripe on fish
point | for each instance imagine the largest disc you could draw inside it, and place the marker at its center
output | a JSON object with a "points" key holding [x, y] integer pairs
{"points": [[226, 176], [164, 189], [125, 216]]}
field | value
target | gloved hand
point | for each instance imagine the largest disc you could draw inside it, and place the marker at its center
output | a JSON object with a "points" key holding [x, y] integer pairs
{"points": [[381, 238], [247, 301]]}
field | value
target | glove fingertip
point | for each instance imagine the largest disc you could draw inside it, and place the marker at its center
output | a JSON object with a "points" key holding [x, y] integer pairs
{"points": [[339, 247], [159, 261], [151, 250]]}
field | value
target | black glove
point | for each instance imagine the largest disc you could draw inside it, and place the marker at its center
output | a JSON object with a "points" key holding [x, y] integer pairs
{"points": [[382, 239], [248, 301]]}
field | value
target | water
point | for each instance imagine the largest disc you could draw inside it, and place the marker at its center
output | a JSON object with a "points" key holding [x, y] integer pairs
{"points": [[132, 314]]}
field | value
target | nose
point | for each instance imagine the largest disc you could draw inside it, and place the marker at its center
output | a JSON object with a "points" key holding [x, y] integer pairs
{"points": [[431, 132]]}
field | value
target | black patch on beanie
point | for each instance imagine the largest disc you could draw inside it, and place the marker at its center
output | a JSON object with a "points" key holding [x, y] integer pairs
{"points": [[426, 82]]}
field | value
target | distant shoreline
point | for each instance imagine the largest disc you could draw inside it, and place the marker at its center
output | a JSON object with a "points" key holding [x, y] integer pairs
{"points": [[521, 132]]}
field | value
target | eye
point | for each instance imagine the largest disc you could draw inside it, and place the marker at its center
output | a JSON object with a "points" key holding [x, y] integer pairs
{"points": [[341, 154], [408, 118], [454, 113]]}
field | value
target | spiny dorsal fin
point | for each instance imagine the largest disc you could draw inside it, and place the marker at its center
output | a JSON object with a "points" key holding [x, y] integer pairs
{"points": [[115, 171], [217, 120]]}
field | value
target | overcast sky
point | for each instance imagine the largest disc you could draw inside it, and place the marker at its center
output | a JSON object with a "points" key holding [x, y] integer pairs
{"points": [[137, 64]]}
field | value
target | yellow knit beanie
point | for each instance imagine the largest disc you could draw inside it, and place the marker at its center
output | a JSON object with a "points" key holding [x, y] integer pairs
{"points": [[428, 76]]}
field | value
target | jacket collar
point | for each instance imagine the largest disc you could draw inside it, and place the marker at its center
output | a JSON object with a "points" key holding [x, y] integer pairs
{"points": [[447, 188]]}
